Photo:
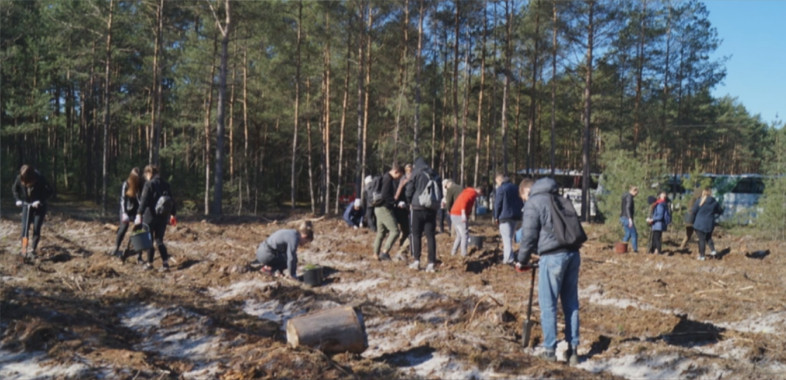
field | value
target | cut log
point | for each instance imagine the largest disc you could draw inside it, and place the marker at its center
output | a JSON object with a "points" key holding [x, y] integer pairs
{"points": [[330, 331]]}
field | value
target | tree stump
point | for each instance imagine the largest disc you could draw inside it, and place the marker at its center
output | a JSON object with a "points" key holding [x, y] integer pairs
{"points": [[330, 331]]}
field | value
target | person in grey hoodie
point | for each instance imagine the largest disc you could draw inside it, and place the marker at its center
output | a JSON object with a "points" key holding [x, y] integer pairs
{"points": [[279, 250], [559, 267]]}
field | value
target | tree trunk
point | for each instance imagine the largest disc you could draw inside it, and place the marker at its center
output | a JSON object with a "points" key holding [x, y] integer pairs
{"points": [[455, 91], [293, 173], [332, 331], [402, 73], [639, 79], [534, 89], [361, 163], [552, 155], [465, 114], [245, 126], [326, 134], [309, 149], [157, 97], [506, 86], [208, 112], [344, 104], [367, 85], [107, 97], [218, 181], [585, 200], [416, 126], [479, 135]]}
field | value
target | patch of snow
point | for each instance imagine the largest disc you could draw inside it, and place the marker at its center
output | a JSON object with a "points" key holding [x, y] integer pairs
{"points": [[358, 287], [278, 312], [773, 323], [238, 289], [33, 365], [409, 298], [143, 317], [669, 366]]}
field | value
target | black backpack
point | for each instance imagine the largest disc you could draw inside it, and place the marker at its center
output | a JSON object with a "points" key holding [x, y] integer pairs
{"points": [[566, 224], [376, 196]]}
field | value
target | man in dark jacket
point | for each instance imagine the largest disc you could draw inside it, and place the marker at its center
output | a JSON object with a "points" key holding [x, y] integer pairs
{"points": [[386, 222], [626, 218], [559, 267], [155, 188], [424, 218], [507, 212]]}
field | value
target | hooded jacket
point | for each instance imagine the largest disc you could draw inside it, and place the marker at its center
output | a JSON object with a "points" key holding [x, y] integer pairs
{"points": [[537, 235], [704, 214], [507, 202], [39, 191], [421, 174]]}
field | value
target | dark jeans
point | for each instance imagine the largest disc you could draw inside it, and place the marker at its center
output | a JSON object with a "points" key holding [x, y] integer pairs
{"points": [[402, 219], [442, 216], [424, 222], [121, 231], [35, 216], [157, 230], [655, 240], [370, 219], [705, 238]]}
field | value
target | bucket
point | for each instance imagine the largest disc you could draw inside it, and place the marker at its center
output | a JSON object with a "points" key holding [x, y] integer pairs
{"points": [[476, 241], [140, 238], [620, 247], [313, 276]]}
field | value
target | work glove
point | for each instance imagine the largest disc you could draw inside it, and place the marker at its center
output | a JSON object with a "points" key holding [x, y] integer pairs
{"points": [[401, 204], [35, 204], [463, 218], [18, 203], [138, 219], [172, 220], [630, 223], [124, 218]]}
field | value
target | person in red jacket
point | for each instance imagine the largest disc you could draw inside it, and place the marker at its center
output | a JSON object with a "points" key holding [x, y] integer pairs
{"points": [[459, 212]]}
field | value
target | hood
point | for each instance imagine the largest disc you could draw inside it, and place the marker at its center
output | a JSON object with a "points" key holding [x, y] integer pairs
{"points": [[420, 165], [544, 186]]}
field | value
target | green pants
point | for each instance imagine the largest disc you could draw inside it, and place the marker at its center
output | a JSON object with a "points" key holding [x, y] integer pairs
{"points": [[385, 223]]}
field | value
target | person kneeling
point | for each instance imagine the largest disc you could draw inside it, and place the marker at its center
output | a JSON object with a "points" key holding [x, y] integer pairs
{"points": [[279, 250], [353, 215]]}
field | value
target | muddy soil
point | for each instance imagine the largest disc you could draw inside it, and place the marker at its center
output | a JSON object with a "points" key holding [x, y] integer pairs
{"points": [[76, 312]]}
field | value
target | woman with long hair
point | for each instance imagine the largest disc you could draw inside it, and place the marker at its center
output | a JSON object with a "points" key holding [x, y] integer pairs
{"points": [[129, 205], [704, 212], [31, 190]]}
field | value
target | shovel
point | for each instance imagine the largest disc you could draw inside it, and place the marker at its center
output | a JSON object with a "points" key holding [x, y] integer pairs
{"points": [[527, 326]]}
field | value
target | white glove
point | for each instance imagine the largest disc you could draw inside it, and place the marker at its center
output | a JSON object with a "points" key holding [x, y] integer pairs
{"points": [[124, 218], [401, 204], [18, 203], [35, 204], [630, 222], [463, 218], [138, 219]]}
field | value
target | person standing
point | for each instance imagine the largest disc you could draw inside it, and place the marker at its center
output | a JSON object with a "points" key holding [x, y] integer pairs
{"points": [[689, 219], [704, 212], [443, 210], [559, 267], [353, 214], [451, 194], [626, 218], [32, 190], [402, 213], [386, 222], [507, 212], [129, 205], [424, 217], [279, 251], [371, 221], [156, 209], [659, 221], [459, 213]]}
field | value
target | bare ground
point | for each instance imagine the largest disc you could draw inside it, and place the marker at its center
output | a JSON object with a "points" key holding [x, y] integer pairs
{"points": [[79, 313]]}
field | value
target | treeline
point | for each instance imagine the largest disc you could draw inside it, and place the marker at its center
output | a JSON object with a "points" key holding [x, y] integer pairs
{"points": [[245, 104]]}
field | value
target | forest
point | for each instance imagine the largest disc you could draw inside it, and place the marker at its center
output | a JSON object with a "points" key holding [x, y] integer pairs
{"points": [[247, 105]]}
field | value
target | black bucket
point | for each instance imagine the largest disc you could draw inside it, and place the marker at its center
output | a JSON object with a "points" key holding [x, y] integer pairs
{"points": [[476, 241], [313, 276], [140, 238]]}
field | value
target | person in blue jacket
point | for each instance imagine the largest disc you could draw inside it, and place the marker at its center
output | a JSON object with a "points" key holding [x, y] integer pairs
{"points": [[353, 214], [704, 212], [659, 221], [507, 211]]}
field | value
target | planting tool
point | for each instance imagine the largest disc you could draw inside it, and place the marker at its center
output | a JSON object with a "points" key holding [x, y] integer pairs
{"points": [[527, 326]]}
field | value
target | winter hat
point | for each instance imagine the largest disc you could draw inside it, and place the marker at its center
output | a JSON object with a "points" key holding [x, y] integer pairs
{"points": [[357, 203], [368, 180]]}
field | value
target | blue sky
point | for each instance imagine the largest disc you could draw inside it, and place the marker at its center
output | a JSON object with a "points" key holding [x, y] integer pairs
{"points": [[754, 39]]}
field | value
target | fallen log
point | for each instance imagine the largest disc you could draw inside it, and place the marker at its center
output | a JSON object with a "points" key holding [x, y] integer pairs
{"points": [[330, 331]]}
